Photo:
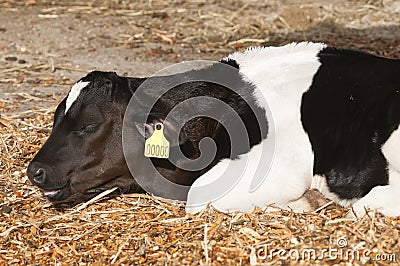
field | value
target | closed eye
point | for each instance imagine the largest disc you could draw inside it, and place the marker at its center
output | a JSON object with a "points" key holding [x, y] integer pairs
{"points": [[88, 129]]}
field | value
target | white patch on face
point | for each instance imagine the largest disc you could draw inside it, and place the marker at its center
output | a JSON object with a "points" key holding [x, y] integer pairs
{"points": [[384, 199], [319, 183], [74, 93], [280, 75], [391, 149]]}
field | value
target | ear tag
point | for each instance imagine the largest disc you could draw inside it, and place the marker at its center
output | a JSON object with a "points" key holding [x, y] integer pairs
{"points": [[157, 146]]}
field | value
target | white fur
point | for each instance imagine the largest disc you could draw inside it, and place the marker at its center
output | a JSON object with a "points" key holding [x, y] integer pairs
{"points": [[384, 199], [391, 150], [239, 198], [281, 75], [74, 93], [319, 183]]}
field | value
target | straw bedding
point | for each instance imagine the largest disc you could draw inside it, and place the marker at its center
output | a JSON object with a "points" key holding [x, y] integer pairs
{"points": [[140, 229]]}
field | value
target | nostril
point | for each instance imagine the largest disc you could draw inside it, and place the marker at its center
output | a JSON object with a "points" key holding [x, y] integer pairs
{"points": [[39, 176]]}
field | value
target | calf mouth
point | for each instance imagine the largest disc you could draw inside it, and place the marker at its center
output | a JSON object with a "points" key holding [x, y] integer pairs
{"points": [[51, 193], [66, 196], [56, 194]]}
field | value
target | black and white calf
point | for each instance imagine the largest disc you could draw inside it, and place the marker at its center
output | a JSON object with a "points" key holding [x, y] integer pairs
{"points": [[336, 114]]}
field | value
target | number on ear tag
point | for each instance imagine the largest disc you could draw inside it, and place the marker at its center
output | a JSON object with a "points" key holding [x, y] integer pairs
{"points": [[157, 146]]}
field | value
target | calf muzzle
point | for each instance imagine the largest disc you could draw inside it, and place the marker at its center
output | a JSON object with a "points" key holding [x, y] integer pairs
{"points": [[43, 176]]}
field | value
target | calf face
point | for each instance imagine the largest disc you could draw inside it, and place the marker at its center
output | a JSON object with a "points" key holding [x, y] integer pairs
{"points": [[83, 155]]}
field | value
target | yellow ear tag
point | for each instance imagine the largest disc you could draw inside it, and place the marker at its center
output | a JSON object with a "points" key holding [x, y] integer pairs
{"points": [[157, 146]]}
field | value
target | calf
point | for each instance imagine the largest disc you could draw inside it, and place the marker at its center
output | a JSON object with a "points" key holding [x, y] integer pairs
{"points": [[336, 114], [333, 125]]}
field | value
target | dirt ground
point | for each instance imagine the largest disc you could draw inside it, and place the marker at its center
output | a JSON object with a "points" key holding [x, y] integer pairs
{"points": [[45, 46]]}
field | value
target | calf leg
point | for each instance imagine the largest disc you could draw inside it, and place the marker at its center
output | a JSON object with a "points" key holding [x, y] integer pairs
{"points": [[282, 185]]}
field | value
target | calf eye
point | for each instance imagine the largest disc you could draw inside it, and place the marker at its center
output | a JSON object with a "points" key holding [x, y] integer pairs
{"points": [[88, 129]]}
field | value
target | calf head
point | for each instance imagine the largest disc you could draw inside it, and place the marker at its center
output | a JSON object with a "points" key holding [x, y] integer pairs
{"points": [[83, 155]]}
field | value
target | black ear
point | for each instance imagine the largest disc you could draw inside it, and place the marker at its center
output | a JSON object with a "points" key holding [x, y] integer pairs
{"points": [[59, 113], [173, 132], [134, 83], [148, 107]]}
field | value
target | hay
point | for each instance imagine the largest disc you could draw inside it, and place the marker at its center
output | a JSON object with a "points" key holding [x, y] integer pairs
{"points": [[140, 229]]}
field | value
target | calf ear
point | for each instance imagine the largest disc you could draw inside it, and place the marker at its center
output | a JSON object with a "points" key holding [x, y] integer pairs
{"points": [[134, 83], [138, 108], [173, 132], [59, 113]]}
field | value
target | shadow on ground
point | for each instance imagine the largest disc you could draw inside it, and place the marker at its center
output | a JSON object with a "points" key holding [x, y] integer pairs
{"points": [[382, 40]]}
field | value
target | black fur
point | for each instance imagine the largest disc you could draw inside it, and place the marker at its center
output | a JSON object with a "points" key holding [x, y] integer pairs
{"points": [[349, 112]]}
